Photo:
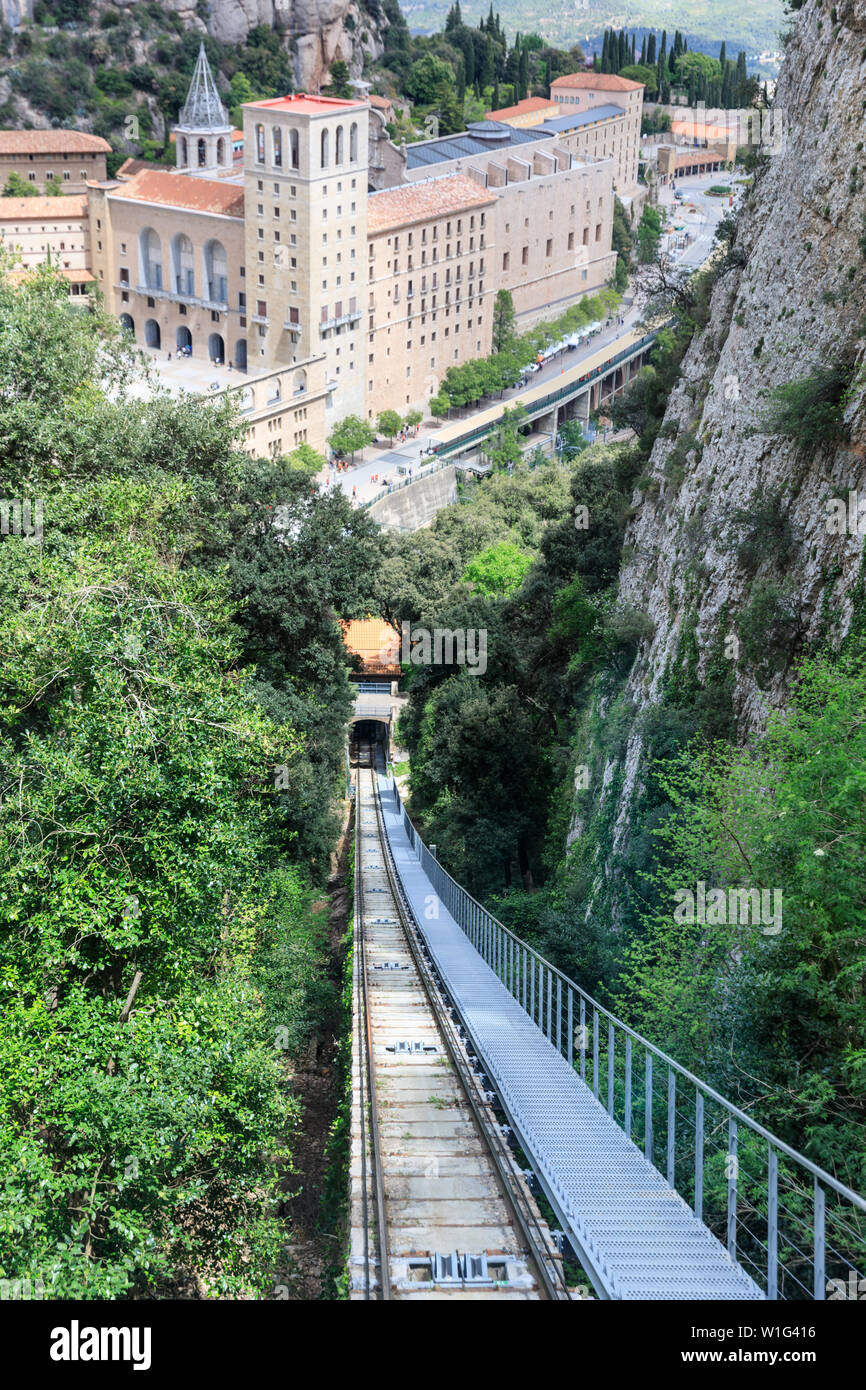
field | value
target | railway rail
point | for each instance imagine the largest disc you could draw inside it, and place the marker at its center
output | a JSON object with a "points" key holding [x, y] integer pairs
{"points": [[440, 1207]]}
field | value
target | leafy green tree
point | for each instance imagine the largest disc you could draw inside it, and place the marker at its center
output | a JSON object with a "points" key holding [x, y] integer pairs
{"points": [[498, 570], [503, 320], [413, 418], [350, 435], [649, 233], [341, 83], [430, 81], [18, 187], [388, 422], [440, 404]]}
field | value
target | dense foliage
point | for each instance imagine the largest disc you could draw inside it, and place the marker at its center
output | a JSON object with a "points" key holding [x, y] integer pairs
{"points": [[172, 707]]}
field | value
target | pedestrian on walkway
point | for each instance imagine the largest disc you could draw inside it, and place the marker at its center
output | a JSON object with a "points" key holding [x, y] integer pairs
{"points": [[354, 494]]}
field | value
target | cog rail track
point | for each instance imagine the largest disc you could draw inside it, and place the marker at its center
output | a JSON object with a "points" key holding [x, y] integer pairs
{"points": [[440, 1209]]}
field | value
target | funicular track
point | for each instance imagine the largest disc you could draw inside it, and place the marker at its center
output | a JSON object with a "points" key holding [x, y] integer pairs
{"points": [[440, 1208]]}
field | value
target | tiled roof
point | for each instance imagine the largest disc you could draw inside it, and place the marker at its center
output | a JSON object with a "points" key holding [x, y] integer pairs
{"points": [[375, 641], [51, 209], [382, 102], [74, 277], [418, 202], [302, 105], [51, 142], [523, 108], [183, 191], [597, 81]]}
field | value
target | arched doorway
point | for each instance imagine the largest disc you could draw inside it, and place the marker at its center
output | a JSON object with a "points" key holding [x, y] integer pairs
{"points": [[240, 357], [216, 349], [152, 335], [183, 339], [128, 322]]}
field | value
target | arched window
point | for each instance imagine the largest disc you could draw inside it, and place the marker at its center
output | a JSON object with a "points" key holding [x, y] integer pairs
{"points": [[260, 144], [299, 382], [240, 358], [202, 152], [324, 149], [216, 272], [221, 151], [248, 400], [278, 146], [183, 339], [152, 336], [274, 391], [294, 146], [150, 253], [184, 151], [216, 349], [353, 142], [127, 322], [183, 264], [338, 146]]}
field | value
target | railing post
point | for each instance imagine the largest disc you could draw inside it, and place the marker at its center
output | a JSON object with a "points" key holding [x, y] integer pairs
{"points": [[610, 1066], [532, 987], [559, 1013], [549, 1007], [672, 1126], [699, 1154], [772, 1223], [595, 1053], [582, 1038], [570, 1027], [820, 1284], [627, 1117], [648, 1108], [732, 1188]]}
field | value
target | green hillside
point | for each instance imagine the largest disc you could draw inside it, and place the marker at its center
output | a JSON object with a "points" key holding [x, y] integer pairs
{"points": [[750, 24]]}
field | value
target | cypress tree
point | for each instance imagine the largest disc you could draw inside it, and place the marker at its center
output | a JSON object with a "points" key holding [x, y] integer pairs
{"points": [[605, 53], [723, 56], [651, 50], [643, 51], [523, 78]]}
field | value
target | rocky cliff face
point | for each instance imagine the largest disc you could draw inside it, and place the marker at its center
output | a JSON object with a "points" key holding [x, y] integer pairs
{"points": [[744, 512], [318, 31]]}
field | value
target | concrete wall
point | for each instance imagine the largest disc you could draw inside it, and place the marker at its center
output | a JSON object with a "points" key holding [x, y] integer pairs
{"points": [[414, 506]]}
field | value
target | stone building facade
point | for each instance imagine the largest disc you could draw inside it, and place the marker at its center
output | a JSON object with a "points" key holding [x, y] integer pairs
{"points": [[586, 91], [34, 230], [430, 287], [291, 266], [69, 158]]}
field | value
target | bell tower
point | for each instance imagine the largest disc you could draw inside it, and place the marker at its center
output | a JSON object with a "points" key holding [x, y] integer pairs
{"points": [[203, 132]]}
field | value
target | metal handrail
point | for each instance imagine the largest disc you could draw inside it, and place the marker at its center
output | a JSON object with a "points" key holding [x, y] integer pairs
{"points": [[507, 955]]}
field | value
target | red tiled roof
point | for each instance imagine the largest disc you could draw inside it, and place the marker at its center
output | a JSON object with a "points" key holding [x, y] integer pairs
{"points": [[183, 191], [51, 209], [521, 109], [382, 102], [51, 142], [375, 641], [597, 81], [419, 202], [302, 105]]}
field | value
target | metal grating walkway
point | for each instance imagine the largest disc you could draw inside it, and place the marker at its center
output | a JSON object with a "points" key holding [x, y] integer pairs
{"points": [[635, 1236]]}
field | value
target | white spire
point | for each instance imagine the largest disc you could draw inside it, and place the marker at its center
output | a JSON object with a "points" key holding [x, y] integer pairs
{"points": [[203, 109]]}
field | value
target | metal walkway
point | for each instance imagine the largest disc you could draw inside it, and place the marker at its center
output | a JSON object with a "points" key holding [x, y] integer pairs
{"points": [[635, 1236]]}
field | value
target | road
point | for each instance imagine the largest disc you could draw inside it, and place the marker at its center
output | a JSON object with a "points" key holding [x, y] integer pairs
{"points": [[699, 214]]}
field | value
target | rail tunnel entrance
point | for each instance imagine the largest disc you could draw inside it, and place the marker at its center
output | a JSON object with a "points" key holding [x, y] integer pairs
{"points": [[371, 731]]}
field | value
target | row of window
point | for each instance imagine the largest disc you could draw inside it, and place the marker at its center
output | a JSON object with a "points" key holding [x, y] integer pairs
{"points": [[50, 174]]}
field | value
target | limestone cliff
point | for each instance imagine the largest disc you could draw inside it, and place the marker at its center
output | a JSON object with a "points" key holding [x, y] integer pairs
{"points": [[731, 511], [317, 31]]}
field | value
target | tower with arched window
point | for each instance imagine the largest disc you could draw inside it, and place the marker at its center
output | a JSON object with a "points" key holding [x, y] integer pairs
{"points": [[305, 187], [203, 133]]}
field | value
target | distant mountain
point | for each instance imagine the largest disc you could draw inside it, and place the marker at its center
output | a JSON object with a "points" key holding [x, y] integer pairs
{"points": [[750, 24]]}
